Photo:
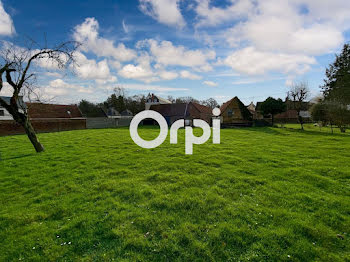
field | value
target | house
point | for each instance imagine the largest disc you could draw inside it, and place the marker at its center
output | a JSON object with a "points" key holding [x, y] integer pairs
{"points": [[235, 113], [187, 111], [252, 109], [113, 113], [47, 118], [4, 114], [126, 113], [155, 100], [289, 116], [53, 111]]}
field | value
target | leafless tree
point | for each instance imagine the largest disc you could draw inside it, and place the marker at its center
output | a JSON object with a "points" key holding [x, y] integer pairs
{"points": [[298, 94], [16, 65]]}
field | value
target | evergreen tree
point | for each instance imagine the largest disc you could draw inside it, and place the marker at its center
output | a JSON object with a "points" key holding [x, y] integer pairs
{"points": [[272, 107], [337, 82]]}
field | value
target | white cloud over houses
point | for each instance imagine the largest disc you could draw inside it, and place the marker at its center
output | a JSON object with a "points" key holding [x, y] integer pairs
{"points": [[90, 69], [251, 61], [288, 33], [6, 24], [281, 26], [167, 54], [87, 34], [157, 88], [164, 11]]}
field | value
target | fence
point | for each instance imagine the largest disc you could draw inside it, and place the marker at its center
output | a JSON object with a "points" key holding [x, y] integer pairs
{"points": [[10, 127], [103, 122]]}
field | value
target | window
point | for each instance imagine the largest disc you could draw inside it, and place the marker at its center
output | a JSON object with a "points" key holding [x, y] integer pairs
{"points": [[2, 112], [230, 112]]}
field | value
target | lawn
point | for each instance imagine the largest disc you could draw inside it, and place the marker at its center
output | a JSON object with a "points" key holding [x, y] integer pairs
{"points": [[263, 194]]}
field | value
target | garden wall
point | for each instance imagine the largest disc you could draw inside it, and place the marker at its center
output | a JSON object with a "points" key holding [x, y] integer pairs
{"points": [[10, 127], [104, 122]]}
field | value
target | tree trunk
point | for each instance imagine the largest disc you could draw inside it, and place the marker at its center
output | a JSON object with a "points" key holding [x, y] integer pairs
{"points": [[32, 135], [332, 127], [301, 121], [272, 120]]}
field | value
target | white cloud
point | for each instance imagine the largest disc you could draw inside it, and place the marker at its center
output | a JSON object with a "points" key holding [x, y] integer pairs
{"points": [[253, 62], [53, 74], [137, 72], [165, 53], [287, 34], [59, 87], [6, 23], [164, 11], [152, 88], [210, 83], [188, 75], [90, 69], [168, 75], [87, 34], [125, 27], [6, 90], [212, 16]]}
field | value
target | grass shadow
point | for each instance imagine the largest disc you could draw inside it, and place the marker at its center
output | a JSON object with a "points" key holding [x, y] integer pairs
{"points": [[16, 157]]}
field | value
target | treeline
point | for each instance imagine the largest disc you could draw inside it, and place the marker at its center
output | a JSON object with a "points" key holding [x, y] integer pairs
{"points": [[334, 107], [120, 101]]}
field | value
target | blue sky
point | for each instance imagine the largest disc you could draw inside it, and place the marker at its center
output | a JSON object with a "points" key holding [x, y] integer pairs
{"points": [[246, 48]]}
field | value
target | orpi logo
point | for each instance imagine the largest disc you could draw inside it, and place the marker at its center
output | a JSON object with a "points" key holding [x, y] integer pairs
{"points": [[190, 139]]}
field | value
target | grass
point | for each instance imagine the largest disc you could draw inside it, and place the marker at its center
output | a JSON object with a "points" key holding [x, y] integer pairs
{"points": [[263, 194], [313, 127]]}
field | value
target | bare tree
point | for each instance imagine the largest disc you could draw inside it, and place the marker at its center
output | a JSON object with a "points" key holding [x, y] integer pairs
{"points": [[298, 94], [16, 64]]}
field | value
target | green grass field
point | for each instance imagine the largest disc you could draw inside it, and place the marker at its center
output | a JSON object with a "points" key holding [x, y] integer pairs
{"points": [[263, 194]]}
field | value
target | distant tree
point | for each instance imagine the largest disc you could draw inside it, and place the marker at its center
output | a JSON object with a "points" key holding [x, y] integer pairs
{"points": [[135, 103], [338, 114], [337, 83], [117, 102], [89, 109], [298, 94], [272, 106], [319, 113], [210, 102], [171, 99], [186, 99], [16, 65]]}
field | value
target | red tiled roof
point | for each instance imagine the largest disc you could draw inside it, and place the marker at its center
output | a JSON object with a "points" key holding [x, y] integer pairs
{"points": [[202, 108], [40, 110]]}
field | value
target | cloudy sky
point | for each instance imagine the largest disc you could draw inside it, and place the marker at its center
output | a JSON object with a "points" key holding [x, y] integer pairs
{"points": [[201, 48]]}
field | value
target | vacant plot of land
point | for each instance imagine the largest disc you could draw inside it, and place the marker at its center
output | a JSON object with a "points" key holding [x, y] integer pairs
{"points": [[262, 194]]}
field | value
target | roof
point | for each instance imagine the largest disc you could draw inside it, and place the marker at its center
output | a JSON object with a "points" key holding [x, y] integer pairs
{"points": [[202, 108], [246, 114], [20, 102], [126, 112], [179, 109], [40, 110], [170, 109], [161, 100], [291, 114]]}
